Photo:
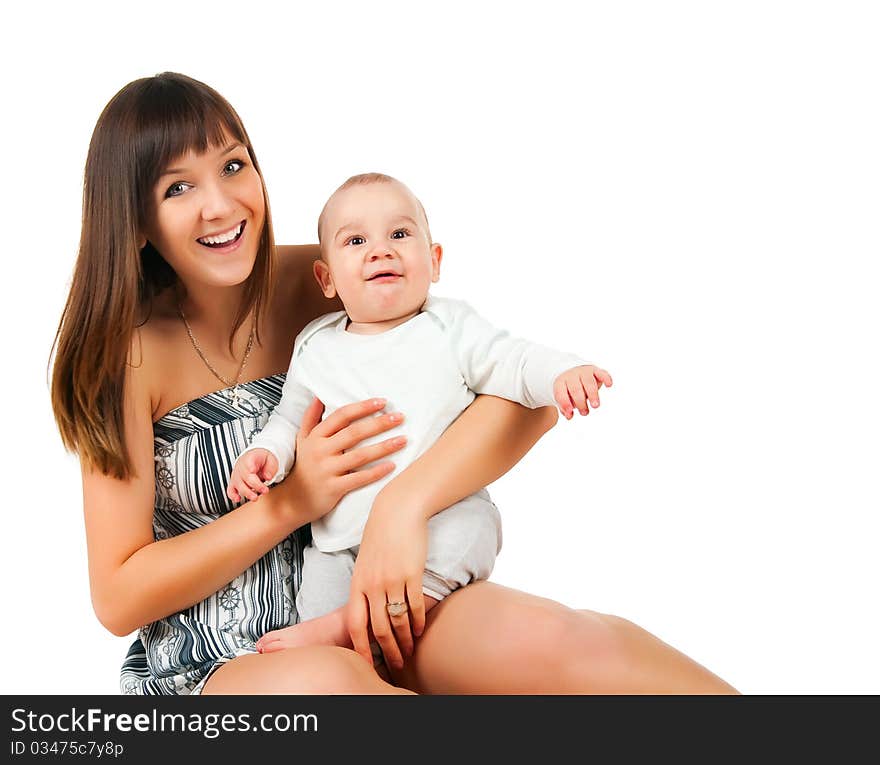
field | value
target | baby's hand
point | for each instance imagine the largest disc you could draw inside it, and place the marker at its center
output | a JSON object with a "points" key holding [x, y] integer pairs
{"points": [[578, 388], [250, 472]]}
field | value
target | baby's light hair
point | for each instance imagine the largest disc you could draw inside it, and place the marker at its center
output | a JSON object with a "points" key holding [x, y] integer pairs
{"points": [[364, 179]]}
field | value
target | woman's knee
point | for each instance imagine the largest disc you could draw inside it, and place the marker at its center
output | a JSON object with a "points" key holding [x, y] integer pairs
{"points": [[335, 670], [307, 670]]}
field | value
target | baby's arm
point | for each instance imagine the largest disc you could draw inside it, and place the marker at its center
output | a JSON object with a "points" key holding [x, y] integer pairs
{"points": [[493, 362], [272, 452]]}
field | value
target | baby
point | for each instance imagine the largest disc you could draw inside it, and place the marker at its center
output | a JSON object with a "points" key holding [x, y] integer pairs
{"points": [[428, 357]]}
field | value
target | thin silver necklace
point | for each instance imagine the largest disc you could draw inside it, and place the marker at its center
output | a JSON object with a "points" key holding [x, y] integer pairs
{"points": [[233, 384]]}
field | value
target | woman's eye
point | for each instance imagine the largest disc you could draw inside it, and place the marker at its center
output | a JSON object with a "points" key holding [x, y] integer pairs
{"points": [[232, 167], [176, 189], [357, 240], [400, 233]]}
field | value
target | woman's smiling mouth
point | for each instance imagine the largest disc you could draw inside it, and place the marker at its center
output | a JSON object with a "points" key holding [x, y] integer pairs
{"points": [[225, 239]]}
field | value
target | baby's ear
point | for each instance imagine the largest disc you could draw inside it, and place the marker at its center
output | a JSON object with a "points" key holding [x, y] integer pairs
{"points": [[325, 281], [436, 257]]}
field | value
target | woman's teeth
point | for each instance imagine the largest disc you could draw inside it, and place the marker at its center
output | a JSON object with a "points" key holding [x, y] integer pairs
{"points": [[221, 239]]}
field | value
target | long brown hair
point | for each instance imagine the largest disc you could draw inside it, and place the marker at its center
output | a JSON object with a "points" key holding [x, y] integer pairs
{"points": [[144, 127]]}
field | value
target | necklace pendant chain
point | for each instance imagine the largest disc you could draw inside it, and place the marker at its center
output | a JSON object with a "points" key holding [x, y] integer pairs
{"points": [[234, 384]]}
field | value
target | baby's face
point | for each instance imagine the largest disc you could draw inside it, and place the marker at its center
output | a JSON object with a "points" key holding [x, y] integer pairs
{"points": [[377, 253]]}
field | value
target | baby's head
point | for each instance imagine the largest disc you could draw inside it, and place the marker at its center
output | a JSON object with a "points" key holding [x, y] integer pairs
{"points": [[376, 249]]}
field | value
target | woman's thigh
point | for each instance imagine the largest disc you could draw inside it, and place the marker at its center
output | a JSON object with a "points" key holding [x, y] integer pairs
{"points": [[307, 670], [486, 638]]}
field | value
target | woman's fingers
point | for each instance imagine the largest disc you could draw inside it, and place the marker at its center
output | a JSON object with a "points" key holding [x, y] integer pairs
{"points": [[347, 414], [334, 470], [311, 417], [358, 478], [367, 427], [365, 454], [382, 630], [356, 619], [398, 615], [416, 605]]}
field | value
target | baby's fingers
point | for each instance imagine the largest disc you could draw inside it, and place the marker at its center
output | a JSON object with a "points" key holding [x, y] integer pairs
{"points": [[578, 397], [252, 486], [563, 400], [603, 377], [591, 389]]}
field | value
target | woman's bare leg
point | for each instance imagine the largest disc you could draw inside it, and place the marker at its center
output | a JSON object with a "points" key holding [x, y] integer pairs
{"points": [[486, 638], [309, 670]]}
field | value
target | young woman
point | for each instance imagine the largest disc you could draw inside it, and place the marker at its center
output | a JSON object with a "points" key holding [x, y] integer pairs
{"points": [[180, 319]]}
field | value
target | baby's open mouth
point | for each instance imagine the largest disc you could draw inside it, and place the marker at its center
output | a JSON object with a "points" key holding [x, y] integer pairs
{"points": [[382, 274], [224, 239]]}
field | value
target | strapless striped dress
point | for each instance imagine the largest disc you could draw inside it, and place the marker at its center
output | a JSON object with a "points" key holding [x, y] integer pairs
{"points": [[195, 447]]}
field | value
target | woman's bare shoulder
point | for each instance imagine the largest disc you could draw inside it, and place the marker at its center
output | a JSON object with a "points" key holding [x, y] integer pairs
{"points": [[155, 335]]}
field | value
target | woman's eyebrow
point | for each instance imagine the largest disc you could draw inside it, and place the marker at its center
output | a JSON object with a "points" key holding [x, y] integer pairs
{"points": [[181, 170]]}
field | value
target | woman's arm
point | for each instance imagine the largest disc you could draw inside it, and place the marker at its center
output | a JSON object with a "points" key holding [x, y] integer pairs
{"points": [[136, 580], [489, 437]]}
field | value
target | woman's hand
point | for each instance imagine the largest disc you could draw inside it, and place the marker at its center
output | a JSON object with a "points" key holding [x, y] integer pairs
{"points": [[389, 569], [487, 439], [327, 461]]}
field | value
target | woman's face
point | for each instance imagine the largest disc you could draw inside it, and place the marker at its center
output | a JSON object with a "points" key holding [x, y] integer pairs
{"points": [[207, 215]]}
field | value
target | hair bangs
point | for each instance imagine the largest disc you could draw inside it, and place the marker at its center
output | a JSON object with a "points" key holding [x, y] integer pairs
{"points": [[178, 116]]}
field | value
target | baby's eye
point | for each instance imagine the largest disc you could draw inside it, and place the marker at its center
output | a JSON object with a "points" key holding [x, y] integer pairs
{"points": [[176, 189], [356, 240], [233, 166], [400, 233]]}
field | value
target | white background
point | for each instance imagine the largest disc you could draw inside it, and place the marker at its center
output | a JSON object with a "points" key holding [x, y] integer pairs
{"points": [[684, 192]]}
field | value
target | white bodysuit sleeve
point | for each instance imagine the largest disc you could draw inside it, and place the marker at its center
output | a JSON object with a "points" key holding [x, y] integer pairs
{"points": [[493, 362], [278, 435]]}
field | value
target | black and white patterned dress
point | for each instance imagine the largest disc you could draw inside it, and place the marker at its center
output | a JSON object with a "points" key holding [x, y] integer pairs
{"points": [[195, 448]]}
